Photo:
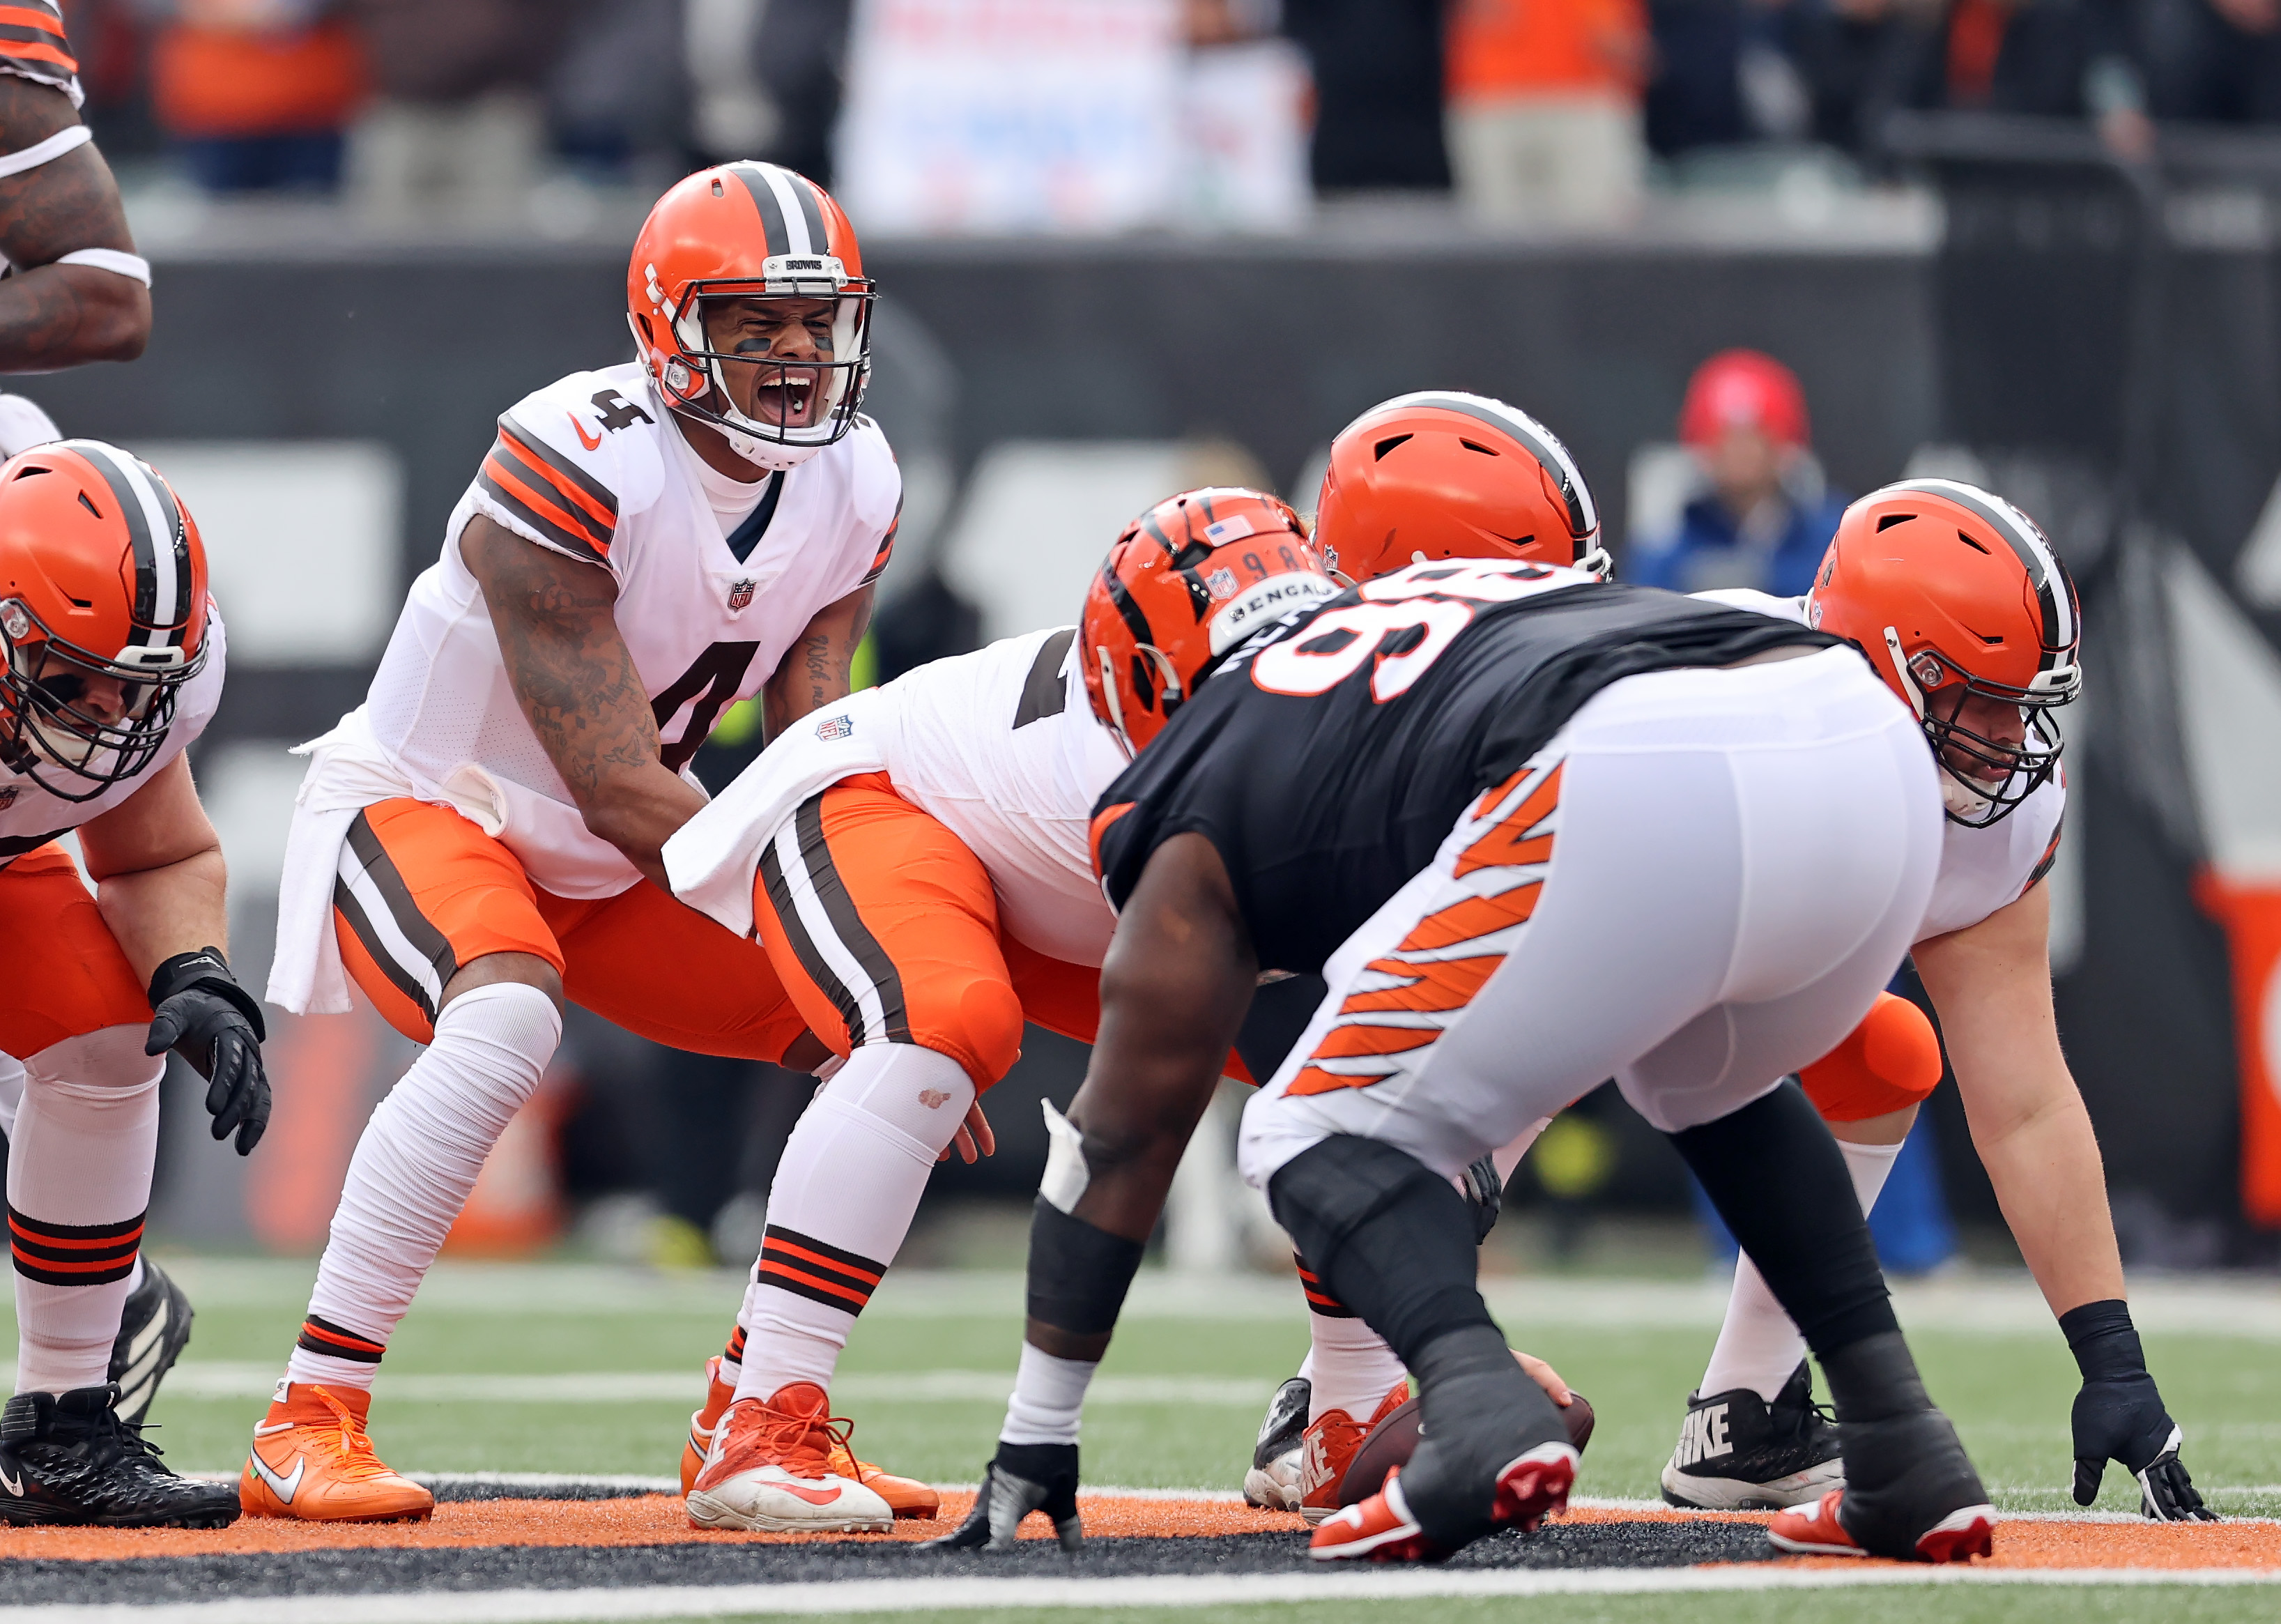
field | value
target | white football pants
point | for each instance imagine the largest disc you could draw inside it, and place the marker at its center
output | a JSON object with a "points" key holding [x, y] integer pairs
{"points": [[1698, 886]]}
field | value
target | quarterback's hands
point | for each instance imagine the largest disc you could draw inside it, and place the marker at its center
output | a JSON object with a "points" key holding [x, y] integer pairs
{"points": [[201, 1013], [2123, 1421], [974, 1139]]}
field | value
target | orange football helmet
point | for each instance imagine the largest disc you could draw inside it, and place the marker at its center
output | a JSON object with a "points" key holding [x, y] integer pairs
{"points": [[103, 614], [1185, 583], [1953, 594], [1445, 475], [753, 231]]}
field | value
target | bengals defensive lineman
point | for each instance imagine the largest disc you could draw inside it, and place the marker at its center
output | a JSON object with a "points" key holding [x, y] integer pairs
{"points": [[1440, 791], [113, 666], [641, 547]]}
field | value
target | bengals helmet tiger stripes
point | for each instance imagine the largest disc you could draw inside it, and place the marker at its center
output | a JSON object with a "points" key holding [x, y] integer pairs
{"points": [[1447, 475], [103, 614], [1185, 583], [1952, 594], [750, 230]]}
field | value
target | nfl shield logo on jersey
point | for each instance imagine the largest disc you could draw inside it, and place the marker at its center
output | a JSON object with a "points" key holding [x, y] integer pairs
{"points": [[740, 594], [8, 796], [835, 727]]}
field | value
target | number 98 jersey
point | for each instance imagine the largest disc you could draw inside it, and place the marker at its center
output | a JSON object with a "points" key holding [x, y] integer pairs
{"points": [[1328, 759]]}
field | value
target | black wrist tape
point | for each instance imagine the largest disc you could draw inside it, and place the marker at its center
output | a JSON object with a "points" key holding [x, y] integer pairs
{"points": [[2104, 1342], [1079, 1274], [208, 968]]}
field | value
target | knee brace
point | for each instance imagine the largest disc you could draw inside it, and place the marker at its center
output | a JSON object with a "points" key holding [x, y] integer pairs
{"points": [[1889, 1063], [1392, 1239]]}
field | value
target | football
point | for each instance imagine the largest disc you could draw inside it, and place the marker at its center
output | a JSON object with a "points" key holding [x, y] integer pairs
{"points": [[1390, 1443]]}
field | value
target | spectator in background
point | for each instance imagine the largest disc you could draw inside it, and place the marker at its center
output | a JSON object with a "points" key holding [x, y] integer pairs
{"points": [[1763, 519], [254, 95], [1544, 109], [768, 76], [459, 125], [2216, 61], [1695, 98], [1378, 71]]}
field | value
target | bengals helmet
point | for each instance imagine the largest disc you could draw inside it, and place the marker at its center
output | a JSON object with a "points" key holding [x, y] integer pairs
{"points": [[1444, 474], [103, 614], [753, 231], [1185, 583], [1953, 594]]}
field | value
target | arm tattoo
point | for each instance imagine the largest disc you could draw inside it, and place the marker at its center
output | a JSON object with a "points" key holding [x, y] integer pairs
{"points": [[819, 669], [50, 314], [573, 676]]}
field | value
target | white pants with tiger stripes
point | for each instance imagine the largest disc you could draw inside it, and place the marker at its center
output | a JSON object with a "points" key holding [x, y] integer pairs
{"points": [[1698, 886]]}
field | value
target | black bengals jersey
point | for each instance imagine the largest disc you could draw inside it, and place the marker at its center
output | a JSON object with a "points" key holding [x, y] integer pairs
{"points": [[1329, 758]]}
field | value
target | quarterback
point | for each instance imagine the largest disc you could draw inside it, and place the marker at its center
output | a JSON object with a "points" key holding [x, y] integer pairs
{"points": [[114, 660], [641, 547]]}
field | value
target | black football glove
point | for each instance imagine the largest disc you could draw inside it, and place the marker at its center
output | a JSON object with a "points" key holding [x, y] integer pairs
{"points": [[201, 1013], [2119, 1416], [1484, 1193]]}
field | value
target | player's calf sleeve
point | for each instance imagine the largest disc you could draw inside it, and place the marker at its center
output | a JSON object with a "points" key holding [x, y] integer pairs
{"points": [[1757, 1346], [1776, 1178], [413, 1166], [1349, 1366], [1391, 1238], [85, 1138], [845, 1193]]}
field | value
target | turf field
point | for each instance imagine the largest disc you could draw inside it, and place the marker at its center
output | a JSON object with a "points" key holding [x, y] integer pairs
{"points": [[591, 1369]]}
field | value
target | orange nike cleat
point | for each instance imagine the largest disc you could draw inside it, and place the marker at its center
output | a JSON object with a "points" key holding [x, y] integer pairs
{"points": [[1815, 1531], [1381, 1528], [905, 1496], [776, 1464], [1328, 1449], [311, 1459]]}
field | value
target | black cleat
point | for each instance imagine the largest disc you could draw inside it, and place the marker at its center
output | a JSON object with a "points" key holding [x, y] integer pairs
{"points": [[68, 1461], [1272, 1483], [153, 1329], [1738, 1452], [1022, 1478]]}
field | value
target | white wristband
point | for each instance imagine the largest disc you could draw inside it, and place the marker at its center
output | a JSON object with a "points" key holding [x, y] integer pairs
{"points": [[110, 259], [44, 151]]}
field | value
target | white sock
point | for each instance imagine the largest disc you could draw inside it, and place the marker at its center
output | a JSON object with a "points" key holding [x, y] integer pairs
{"points": [[1759, 1348], [86, 1135], [845, 1193], [1048, 1398], [1348, 1364], [413, 1169]]}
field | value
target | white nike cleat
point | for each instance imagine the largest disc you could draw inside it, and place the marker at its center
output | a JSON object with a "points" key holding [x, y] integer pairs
{"points": [[771, 1467]]}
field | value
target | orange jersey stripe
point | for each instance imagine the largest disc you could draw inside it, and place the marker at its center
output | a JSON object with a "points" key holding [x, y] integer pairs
{"points": [[25, 51], [512, 477], [31, 17]]}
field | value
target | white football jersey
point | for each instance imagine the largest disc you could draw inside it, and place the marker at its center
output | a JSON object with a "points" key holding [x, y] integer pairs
{"points": [[594, 468], [1001, 746], [30, 816], [1981, 870]]}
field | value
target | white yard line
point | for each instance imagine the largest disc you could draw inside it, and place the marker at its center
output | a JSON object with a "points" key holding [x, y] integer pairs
{"points": [[941, 1594]]}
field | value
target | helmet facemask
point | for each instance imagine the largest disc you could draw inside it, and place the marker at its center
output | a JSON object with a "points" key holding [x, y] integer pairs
{"points": [[1983, 780], [797, 404], [63, 725]]}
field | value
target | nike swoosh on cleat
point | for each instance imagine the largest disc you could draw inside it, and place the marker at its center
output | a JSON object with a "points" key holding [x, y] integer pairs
{"points": [[270, 1429], [13, 1485], [284, 1486], [814, 1497]]}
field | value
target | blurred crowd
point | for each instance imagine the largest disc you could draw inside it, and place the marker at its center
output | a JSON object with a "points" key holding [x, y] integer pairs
{"points": [[1549, 110]]}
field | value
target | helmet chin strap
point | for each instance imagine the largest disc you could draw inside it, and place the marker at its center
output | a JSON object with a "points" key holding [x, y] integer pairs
{"points": [[1962, 800]]}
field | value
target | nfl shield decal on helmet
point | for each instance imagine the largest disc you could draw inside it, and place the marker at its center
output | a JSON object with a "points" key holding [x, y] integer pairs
{"points": [[740, 594]]}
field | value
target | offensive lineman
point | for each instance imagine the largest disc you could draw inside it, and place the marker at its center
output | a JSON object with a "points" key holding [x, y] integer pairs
{"points": [[643, 546], [113, 665], [76, 291]]}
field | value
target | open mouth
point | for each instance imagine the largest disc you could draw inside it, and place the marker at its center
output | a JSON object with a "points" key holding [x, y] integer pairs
{"points": [[787, 401]]}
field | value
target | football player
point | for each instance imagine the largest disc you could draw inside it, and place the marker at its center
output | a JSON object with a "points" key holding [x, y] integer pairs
{"points": [[75, 290], [948, 811], [1433, 791], [1960, 606], [642, 547], [113, 665]]}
